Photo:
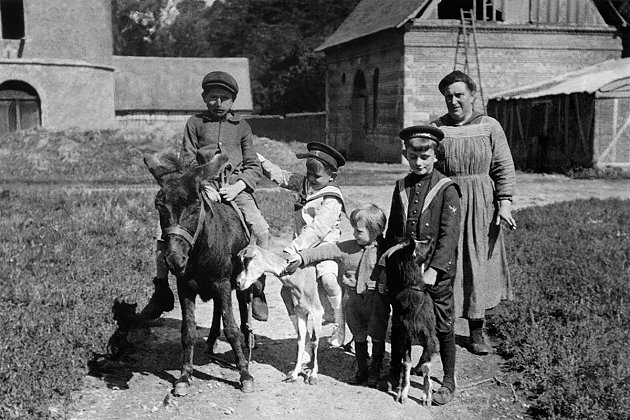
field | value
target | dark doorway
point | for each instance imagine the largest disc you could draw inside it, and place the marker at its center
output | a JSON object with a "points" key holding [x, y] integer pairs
{"points": [[19, 107], [359, 114], [12, 15]]}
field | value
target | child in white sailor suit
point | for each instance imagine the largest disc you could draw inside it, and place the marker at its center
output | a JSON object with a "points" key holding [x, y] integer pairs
{"points": [[317, 219]]}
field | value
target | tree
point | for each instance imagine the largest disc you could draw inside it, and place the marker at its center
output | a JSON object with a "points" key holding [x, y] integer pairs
{"points": [[135, 24], [277, 36]]}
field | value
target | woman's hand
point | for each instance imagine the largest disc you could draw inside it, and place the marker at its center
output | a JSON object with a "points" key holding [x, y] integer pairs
{"points": [[505, 213], [429, 276], [230, 192]]}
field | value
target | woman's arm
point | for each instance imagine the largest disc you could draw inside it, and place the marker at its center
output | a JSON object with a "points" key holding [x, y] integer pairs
{"points": [[502, 173], [502, 166]]}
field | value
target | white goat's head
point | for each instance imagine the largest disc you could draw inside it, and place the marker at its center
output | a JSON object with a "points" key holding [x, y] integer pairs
{"points": [[255, 262]]}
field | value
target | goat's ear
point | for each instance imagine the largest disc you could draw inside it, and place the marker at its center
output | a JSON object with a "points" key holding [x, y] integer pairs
{"points": [[207, 171], [422, 248]]}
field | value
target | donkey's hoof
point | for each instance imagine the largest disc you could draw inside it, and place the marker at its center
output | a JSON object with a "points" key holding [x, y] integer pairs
{"points": [[247, 386], [209, 348], [290, 378], [401, 396], [181, 389]]}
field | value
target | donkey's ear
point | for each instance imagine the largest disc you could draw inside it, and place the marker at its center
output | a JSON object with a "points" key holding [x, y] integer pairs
{"points": [[160, 164], [208, 170]]}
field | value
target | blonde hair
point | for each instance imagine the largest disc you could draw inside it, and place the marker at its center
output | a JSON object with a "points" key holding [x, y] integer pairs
{"points": [[373, 217]]}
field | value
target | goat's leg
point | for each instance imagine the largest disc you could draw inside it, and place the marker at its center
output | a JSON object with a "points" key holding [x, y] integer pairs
{"points": [[188, 337], [427, 387], [215, 328], [405, 374], [315, 335], [233, 335], [302, 320]]}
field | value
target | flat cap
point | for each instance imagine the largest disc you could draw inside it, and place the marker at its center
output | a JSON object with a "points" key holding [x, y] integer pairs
{"points": [[221, 79], [324, 153], [422, 131]]}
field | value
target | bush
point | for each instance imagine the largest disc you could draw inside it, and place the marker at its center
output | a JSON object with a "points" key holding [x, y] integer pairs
{"points": [[598, 173], [568, 328], [106, 156]]}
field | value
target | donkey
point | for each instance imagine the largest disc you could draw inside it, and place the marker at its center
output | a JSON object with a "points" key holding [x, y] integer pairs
{"points": [[413, 319], [256, 262], [203, 240]]}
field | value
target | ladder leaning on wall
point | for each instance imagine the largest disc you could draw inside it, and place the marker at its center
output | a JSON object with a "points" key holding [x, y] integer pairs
{"points": [[467, 30]]}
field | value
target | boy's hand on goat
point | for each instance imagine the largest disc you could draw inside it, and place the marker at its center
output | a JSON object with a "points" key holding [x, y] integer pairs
{"points": [[293, 261], [429, 276]]}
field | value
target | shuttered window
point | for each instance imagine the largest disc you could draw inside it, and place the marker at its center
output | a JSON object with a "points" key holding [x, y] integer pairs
{"points": [[19, 110]]}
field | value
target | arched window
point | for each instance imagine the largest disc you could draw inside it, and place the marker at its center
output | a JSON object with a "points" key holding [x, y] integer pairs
{"points": [[12, 18], [375, 99], [360, 113], [19, 107]]}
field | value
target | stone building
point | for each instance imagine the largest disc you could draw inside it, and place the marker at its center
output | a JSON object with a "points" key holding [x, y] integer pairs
{"points": [[385, 60], [57, 71]]}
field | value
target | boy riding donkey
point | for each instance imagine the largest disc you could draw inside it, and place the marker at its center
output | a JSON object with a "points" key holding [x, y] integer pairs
{"points": [[218, 130]]}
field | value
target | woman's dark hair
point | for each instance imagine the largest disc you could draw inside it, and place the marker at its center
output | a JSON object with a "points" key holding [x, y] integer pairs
{"points": [[454, 77]]}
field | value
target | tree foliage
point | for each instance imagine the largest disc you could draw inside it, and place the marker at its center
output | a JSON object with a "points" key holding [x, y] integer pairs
{"points": [[277, 36]]}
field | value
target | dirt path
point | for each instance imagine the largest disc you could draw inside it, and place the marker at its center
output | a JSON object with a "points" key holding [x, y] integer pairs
{"points": [[156, 362]]}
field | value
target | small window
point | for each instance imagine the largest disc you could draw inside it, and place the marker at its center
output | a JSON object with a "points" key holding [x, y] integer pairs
{"points": [[12, 15], [485, 10], [343, 78]]}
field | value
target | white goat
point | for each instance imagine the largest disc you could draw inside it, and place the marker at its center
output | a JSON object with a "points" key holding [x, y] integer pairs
{"points": [[303, 285]]}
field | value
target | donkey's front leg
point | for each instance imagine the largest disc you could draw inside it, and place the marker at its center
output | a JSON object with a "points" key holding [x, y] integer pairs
{"points": [[215, 328], [244, 298], [188, 336], [233, 335]]}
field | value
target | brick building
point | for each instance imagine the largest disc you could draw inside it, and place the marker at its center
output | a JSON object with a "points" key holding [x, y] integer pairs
{"points": [[57, 70], [385, 60]]}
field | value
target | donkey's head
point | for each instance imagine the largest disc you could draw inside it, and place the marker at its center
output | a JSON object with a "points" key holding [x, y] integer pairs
{"points": [[179, 202]]}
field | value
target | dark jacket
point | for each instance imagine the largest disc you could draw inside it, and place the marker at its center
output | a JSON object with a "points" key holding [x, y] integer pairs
{"points": [[439, 222], [229, 135]]}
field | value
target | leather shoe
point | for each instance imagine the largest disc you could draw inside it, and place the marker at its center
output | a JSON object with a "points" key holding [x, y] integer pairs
{"points": [[161, 301], [260, 312], [442, 396], [360, 378], [480, 349]]}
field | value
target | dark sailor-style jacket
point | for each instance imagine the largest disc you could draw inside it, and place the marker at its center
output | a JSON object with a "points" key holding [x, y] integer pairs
{"points": [[427, 207]]}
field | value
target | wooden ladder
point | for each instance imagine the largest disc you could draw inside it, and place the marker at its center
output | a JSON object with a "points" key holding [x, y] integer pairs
{"points": [[468, 30]]}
